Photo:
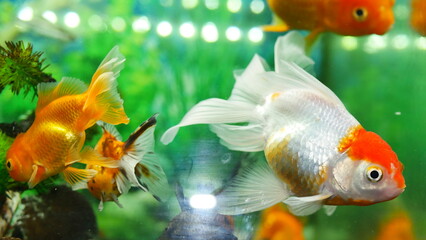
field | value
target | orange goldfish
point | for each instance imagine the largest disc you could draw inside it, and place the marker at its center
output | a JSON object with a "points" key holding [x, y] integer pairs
{"points": [[136, 162], [398, 227], [418, 16], [345, 17], [64, 111], [317, 153], [277, 223]]}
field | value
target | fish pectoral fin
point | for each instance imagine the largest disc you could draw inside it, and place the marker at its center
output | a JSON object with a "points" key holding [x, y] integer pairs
{"points": [[275, 28], [277, 25], [254, 189], [302, 206], [329, 210], [77, 178], [36, 176], [123, 183], [90, 156]]}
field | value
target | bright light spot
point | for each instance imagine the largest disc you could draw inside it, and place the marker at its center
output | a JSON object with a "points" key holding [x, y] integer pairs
{"points": [[255, 35], [234, 5], [349, 43], [189, 4], [209, 32], [398, 113], [164, 29], [421, 43], [96, 22], [141, 24], [400, 42], [50, 16], [375, 43], [212, 4], [257, 6], [202, 201], [166, 3], [187, 30], [233, 34], [72, 20], [26, 14], [401, 12], [118, 24]]}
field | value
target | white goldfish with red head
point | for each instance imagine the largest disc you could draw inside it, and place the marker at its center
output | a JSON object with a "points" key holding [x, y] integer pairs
{"points": [[318, 153]]}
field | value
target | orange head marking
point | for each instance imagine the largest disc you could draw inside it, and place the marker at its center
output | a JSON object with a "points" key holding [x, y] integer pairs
{"points": [[110, 146], [371, 147], [360, 17], [18, 160]]}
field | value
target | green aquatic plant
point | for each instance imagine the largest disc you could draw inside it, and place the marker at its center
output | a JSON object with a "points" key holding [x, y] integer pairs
{"points": [[21, 68], [5, 143]]}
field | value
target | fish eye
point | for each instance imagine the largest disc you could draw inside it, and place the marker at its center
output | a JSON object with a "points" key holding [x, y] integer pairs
{"points": [[9, 165], [360, 14], [374, 174]]}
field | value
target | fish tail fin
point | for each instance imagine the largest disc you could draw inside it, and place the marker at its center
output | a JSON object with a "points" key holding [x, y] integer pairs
{"points": [[254, 188], [239, 108], [103, 101], [140, 165]]}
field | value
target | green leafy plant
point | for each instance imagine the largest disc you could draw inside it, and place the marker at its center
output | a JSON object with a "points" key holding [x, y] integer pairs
{"points": [[21, 68]]}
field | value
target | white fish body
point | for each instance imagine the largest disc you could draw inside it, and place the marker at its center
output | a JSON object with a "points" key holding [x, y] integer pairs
{"points": [[301, 126]]}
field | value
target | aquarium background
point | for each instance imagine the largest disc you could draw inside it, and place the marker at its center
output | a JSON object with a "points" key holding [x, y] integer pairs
{"points": [[180, 52]]}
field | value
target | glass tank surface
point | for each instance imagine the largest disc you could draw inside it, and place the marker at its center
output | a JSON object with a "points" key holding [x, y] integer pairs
{"points": [[90, 89]]}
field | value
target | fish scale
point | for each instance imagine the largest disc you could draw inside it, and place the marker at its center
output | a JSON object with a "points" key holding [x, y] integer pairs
{"points": [[295, 157]]}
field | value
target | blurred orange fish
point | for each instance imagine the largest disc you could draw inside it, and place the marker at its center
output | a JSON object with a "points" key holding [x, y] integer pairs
{"points": [[345, 17], [136, 163], [64, 111], [398, 227], [277, 223], [418, 16]]}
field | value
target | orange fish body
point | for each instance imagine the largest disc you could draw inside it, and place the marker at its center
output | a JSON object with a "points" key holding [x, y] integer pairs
{"points": [[277, 223], [418, 16], [344, 17], [134, 159], [64, 111]]}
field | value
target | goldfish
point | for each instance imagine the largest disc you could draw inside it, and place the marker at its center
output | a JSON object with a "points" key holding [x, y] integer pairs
{"points": [[344, 17], [64, 111], [317, 154], [136, 161], [418, 16], [276, 223], [397, 227]]}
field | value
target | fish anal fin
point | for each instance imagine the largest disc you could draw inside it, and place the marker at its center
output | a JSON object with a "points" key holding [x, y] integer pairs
{"points": [[254, 189], [48, 92], [37, 175], [75, 176], [303, 206]]}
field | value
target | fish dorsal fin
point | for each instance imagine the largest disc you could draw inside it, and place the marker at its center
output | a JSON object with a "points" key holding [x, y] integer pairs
{"points": [[111, 129], [254, 189], [48, 92], [303, 206], [293, 69]]}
